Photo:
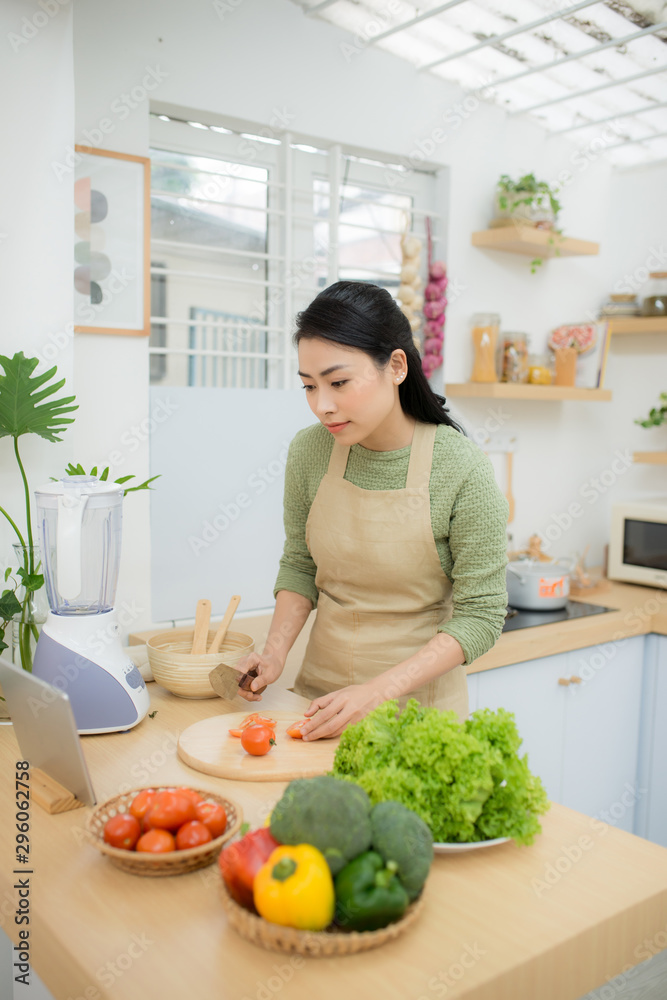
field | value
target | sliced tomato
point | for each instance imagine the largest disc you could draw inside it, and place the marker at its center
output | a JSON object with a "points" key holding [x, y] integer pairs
{"points": [[294, 729], [254, 719]]}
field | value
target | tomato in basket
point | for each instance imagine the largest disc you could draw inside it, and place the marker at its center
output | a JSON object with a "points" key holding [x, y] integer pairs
{"points": [[122, 831], [156, 842]]}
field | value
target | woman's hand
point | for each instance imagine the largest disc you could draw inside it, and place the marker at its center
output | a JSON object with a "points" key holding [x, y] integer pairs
{"points": [[339, 709], [269, 669]]}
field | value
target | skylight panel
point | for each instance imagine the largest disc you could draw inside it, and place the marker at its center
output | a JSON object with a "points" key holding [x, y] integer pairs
{"points": [[594, 37]]}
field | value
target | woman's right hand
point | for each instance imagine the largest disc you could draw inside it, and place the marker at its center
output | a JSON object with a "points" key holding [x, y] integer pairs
{"points": [[269, 668]]}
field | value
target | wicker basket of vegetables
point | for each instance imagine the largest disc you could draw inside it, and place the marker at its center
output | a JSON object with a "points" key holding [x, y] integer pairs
{"points": [[333, 875]]}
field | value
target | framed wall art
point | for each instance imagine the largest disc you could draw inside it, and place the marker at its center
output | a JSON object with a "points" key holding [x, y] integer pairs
{"points": [[111, 243]]}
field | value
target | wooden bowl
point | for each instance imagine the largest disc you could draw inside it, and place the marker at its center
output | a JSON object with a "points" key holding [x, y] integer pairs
{"points": [[172, 863], [175, 668], [313, 944]]}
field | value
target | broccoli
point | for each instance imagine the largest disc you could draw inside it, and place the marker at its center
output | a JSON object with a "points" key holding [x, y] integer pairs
{"points": [[330, 814], [401, 835]]}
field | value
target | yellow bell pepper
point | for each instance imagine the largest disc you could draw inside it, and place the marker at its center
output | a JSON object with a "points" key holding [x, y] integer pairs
{"points": [[294, 888]]}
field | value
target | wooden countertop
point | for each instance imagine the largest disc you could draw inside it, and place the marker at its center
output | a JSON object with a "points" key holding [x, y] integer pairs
{"points": [[640, 610], [551, 921]]}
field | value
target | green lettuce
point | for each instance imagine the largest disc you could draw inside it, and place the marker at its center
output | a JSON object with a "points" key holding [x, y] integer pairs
{"points": [[466, 780]]}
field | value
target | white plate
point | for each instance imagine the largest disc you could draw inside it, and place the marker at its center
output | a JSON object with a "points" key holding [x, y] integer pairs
{"points": [[474, 845]]}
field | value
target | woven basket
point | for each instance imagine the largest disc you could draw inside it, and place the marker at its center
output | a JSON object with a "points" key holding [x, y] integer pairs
{"points": [[173, 862], [313, 944], [185, 674]]}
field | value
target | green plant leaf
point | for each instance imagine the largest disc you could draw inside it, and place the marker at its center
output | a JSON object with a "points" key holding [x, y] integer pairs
{"points": [[22, 407], [142, 486], [31, 581], [78, 470], [9, 605], [8, 573]]}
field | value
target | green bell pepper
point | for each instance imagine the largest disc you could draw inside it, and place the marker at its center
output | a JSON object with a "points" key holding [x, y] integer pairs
{"points": [[369, 895]]}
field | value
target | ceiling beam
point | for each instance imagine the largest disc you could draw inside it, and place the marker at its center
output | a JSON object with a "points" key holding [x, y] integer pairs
{"points": [[580, 55], [611, 118], [591, 90], [494, 39], [415, 20]]}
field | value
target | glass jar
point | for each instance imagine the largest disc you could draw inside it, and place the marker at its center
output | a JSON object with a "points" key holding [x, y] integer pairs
{"points": [[513, 360], [484, 336], [654, 295], [539, 369], [620, 305]]}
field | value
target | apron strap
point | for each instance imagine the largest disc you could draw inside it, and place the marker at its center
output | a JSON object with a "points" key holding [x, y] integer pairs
{"points": [[338, 460], [421, 455]]}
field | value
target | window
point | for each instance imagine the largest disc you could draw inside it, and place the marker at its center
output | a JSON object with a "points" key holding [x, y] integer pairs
{"points": [[246, 229]]}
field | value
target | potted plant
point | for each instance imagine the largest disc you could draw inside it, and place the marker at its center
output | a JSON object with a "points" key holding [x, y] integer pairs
{"points": [[24, 410], [527, 201]]}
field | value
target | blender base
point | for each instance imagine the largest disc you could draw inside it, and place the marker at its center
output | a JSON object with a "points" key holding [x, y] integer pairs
{"points": [[82, 656]]}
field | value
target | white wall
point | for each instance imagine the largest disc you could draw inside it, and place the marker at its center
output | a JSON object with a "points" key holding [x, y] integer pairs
{"points": [[264, 57], [37, 81]]}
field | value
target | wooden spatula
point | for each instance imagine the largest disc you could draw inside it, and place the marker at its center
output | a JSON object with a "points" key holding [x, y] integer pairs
{"points": [[224, 624], [202, 620]]}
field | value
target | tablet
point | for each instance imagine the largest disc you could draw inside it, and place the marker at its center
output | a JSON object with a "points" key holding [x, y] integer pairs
{"points": [[45, 729]]}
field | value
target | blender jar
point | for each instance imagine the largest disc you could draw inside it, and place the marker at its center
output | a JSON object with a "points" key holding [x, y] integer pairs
{"points": [[79, 521]]}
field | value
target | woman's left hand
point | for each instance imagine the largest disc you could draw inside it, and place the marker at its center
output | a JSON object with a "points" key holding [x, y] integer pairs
{"points": [[339, 709]]}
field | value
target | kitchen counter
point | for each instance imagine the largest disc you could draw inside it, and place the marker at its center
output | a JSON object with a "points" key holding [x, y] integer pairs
{"points": [[551, 921], [640, 610]]}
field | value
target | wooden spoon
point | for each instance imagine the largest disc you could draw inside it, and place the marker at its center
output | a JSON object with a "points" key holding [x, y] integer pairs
{"points": [[202, 620], [224, 624]]}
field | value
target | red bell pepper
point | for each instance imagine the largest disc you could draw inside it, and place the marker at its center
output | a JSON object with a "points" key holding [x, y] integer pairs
{"points": [[240, 862]]}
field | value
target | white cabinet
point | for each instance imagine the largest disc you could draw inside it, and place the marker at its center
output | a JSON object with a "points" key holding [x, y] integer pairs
{"points": [[652, 805], [532, 692], [581, 738], [602, 724]]}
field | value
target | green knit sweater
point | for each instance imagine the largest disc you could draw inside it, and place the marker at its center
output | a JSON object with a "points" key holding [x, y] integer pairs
{"points": [[468, 516]]}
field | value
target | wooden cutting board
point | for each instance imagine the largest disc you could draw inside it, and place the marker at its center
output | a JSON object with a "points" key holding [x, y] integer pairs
{"points": [[207, 746]]}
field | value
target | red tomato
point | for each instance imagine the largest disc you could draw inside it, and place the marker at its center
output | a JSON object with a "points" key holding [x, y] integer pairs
{"points": [[192, 835], [142, 802], [295, 729], [212, 816], [122, 831], [191, 794], [156, 842], [257, 740], [169, 811]]}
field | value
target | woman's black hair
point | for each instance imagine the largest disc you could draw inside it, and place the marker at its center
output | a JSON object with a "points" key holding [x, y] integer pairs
{"points": [[362, 315]]}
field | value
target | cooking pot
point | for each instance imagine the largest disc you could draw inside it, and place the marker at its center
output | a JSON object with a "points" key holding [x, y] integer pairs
{"points": [[538, 586]]}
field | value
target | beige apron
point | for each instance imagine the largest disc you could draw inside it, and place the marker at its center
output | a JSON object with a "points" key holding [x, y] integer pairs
{"points": [[382, 590]]}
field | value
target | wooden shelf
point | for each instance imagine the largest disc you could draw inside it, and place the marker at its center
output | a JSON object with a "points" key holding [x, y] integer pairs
{"points": [[650, 457], [638, 324], [512, 390], [533, 242]]}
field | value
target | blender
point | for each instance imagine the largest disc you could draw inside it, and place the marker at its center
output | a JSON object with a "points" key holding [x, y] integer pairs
{"points": [[79, 649]]}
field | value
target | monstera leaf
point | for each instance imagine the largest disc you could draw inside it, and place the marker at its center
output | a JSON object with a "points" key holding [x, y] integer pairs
{"points": [[22, 406]]}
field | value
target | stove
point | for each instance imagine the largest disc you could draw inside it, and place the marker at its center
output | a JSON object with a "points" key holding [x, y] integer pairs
{"points": [[573, 609]]}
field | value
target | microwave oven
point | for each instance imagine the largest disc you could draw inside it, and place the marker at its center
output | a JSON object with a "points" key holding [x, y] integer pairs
{"points": [[638, 543]]}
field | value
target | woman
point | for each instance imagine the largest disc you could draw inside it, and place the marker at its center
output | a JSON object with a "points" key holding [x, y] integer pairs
{"points": [[395, 526]]}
